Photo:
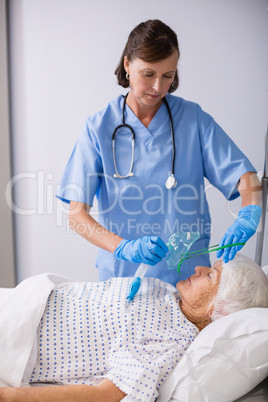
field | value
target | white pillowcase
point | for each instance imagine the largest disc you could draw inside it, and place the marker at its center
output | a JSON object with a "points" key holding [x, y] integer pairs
{"points": [[226, 360]]}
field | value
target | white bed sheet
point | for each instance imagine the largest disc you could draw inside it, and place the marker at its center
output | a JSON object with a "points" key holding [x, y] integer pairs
{"points": [[21, 309]]}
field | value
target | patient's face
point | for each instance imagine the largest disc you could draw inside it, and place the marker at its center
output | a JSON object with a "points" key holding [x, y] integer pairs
{"points": [[198, 291]]}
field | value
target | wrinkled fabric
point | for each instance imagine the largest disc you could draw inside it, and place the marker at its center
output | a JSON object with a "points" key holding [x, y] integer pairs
{"points": [[86, 334], [21, 309], [141, 205]]}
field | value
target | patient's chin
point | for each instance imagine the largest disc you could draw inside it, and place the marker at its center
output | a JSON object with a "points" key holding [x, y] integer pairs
{"points": [[178, 284]]}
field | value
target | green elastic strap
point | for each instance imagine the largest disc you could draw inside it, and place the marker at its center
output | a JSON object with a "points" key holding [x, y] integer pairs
{"points": [[209, 250]]}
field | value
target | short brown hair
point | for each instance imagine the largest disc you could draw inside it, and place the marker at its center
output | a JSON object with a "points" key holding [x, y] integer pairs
{"points": [[150, 41]]}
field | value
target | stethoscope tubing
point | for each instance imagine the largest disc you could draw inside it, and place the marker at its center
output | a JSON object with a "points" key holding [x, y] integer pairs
{"points": [[130, 173], [172, 135]]}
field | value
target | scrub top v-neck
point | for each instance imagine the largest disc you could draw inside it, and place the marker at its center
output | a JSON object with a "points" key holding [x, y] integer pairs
{"points": [[141, 205]]}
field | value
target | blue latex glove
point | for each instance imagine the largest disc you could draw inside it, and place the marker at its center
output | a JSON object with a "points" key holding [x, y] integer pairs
{"points": [[149, 250], [241, 230]]}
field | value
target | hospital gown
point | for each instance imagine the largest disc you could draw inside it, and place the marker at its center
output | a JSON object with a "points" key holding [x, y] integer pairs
{"points": [[87, 334]]}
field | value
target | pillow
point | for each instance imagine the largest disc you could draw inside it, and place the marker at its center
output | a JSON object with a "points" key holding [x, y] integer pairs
{"points": [[226, 360]]}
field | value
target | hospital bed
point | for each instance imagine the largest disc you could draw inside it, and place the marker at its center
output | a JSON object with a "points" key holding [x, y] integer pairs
{"points": [[220, 361], [227, 362], [260, 392]]}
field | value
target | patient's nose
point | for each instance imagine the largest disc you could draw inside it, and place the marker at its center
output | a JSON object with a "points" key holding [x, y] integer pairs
{"points": [[198, 271]]}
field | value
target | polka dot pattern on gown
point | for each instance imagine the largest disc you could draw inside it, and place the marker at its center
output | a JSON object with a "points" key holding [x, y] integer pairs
{"points": [[87, 334]]}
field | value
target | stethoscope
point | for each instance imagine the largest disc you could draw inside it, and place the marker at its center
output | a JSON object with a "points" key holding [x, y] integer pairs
{"points": [[171, 180]]}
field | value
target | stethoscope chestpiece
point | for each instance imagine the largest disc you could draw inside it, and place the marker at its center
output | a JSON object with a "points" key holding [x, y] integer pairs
{"points": [[171, 182]]}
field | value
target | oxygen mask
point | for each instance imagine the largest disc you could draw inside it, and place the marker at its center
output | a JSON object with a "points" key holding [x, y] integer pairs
{"points": [[179, 245]]}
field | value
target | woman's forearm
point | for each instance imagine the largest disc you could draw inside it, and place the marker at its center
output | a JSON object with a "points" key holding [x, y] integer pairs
{"points": [[249, 188], [85, 225], [103, 392]]}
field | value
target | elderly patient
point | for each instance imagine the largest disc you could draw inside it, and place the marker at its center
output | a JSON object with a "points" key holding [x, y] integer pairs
{"points": [[88, 340]]}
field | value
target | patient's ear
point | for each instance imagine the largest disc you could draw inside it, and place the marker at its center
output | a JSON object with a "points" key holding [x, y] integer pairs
{"points": [[210, 310]]}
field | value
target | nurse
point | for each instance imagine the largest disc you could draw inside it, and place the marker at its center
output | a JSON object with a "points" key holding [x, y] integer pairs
{"points": [[161, 137]]}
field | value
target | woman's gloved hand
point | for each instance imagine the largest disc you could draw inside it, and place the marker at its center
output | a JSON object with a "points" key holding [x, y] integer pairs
{"points": [[240, 231], [149, 250]]}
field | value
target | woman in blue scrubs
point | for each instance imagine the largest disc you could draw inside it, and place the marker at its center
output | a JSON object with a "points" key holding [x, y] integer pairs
{"points": [[137, 213]]}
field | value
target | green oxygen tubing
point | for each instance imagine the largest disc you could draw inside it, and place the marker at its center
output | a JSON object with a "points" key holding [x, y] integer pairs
{"points": [[205, 251], [179, 245]]}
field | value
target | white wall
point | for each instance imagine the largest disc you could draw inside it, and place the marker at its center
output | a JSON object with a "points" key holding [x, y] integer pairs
{"points": [[64, 53]]}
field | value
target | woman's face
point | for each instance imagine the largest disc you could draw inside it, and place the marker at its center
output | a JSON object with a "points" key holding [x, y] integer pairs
{"points": [[150, 82], [198, 291]]}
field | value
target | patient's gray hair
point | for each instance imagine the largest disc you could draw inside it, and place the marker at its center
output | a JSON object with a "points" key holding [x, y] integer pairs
{"points": [[243, 284]]}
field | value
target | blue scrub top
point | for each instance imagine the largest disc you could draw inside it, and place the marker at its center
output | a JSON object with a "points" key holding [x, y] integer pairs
{"points": [[141, 205]]}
